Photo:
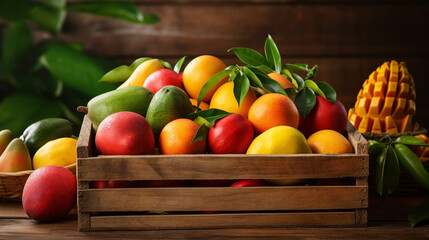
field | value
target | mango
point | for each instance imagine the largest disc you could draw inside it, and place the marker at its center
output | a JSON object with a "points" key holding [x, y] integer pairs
{"points": [[15, 157], [132, 99], [169, 103], [6, 137], [386, 101], [139, 75]]}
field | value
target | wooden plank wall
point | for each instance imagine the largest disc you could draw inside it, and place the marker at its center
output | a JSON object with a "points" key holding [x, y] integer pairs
{"points": [[347, 39]]}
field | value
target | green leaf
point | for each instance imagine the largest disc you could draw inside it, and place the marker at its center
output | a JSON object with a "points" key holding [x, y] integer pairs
{"points": [[270, 84], [125, 11], [375, 147], [299, 81], [291, 93], [211, 83], [297, 67], [210, 115], [15, 10], [48, 17], [387, 172], [312, 73], [75, 69], [419, 214], [264, 69], [165, 64], [305, 101], [241, 86], [254, 80], [201, 133], [426, 165], [17, 43], [273, 55], [411, 140], [329, 91], [179, 64], [123, 72], [55, 3], [311, 84], [292, 79], [19, 110], [251, 57]]}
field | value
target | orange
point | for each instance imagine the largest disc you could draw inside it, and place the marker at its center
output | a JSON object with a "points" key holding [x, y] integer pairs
{"points": [[224, 99], [272, 110], [330, 142], [176, 138], [198, 71], [284, 82], [203, 105]]}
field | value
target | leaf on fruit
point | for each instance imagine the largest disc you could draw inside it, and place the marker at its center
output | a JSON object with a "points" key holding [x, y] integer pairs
{"points": [[297, 67], [305, 101], [411, 140], [299, 81], [387, 172], [311, 84], [291, 78], [201, 133], [165, 64], [329, 91], [179, 64], [419, 214], [270, 84], [272, 54], [210, 115], [250, 57], [123, 72], [124, 11], [241, 87], [312, 73], [254, 80], [211, 83], [291, 93]]}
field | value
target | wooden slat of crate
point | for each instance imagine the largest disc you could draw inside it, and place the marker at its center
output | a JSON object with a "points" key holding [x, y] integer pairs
{"points": [[224, 199], [228, 220]]}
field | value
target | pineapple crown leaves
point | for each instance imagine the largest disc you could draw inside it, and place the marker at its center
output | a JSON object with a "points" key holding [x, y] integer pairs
{"points": [[255, 74]]}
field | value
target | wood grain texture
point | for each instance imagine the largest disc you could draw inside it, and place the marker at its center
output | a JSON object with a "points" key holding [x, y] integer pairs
{"points": [[223, 199], [207, 221]]}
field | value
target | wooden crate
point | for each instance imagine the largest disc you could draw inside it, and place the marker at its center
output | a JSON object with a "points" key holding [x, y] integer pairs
{"points": [[338, 198]]}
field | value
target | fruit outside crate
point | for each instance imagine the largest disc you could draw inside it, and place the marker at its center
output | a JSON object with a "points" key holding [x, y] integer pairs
{"points": [[324, 204]]}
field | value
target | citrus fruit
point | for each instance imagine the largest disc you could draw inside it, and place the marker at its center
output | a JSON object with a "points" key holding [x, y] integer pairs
{"points": [[231, 134], [60, 152], [272, 110], [280, 140], [125, 133], [329, 141], [198, 71], [284, 82], [224, 99], [176, 138], [49, 193], [203, 105]]}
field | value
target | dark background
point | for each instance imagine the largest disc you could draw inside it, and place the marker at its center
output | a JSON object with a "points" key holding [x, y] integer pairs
{"points": [[347, 39]]}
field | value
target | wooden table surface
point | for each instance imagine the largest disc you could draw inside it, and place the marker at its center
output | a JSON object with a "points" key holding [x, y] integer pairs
{"points": [[14, 224]]}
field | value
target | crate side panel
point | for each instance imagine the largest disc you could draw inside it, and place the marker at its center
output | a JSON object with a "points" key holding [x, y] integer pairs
{"points": [[212, 166], [237, 220], [223, 199]]}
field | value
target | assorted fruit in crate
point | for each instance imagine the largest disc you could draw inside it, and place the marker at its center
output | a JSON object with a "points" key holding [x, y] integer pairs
{"points": [[386, 102], [263, 107]]}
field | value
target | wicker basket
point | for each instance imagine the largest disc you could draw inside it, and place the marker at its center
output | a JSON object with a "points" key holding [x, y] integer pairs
{"points": [[12, 183]]}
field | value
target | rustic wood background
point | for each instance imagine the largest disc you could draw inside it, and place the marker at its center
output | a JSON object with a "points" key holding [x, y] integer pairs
{"points": [[347, 39]]}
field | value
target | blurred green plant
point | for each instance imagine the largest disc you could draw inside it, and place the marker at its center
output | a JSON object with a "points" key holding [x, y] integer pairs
{"points": [[51, 78]]}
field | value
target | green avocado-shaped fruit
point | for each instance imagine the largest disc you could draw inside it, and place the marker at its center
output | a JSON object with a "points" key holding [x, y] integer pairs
{"points": [[45, 130], [133, 99], [169, 103]]}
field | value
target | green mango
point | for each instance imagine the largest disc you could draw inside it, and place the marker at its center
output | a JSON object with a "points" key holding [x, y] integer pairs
{"points": [[169, 103], [133, 99], [45, 130]]}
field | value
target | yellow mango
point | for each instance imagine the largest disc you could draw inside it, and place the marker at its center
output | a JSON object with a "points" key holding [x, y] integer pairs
{"points": [[363, 106], [391, 89], [390, 125], [139, 75], [355, 120], [410, 108], [387, 107], [379, 89], [383, 75], [398, 113], [394, 71], [404, 89], [404, 75], [407, 123], [368, 90], [365, 125], [375, 107], [373, 77], [376, 126]]}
